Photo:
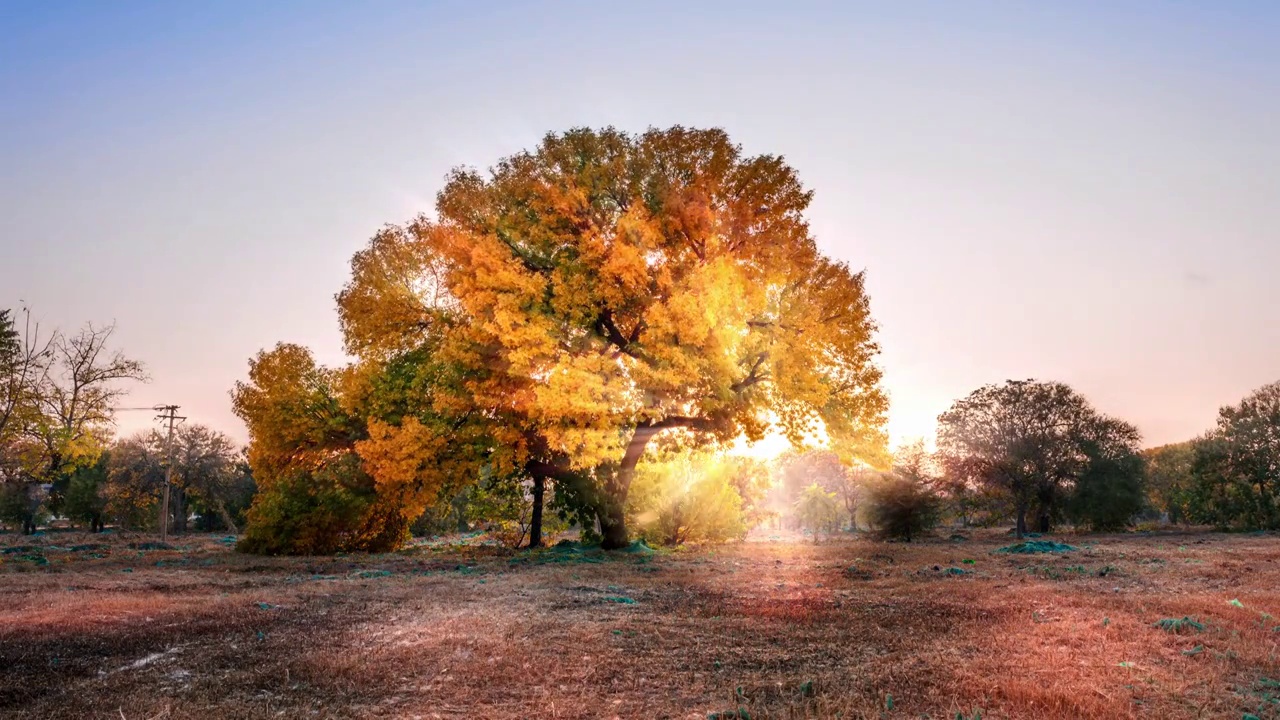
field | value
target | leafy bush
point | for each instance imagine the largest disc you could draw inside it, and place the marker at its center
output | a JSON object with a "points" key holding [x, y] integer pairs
{"points": [[900, 507], [330, 510], [688, 499]]}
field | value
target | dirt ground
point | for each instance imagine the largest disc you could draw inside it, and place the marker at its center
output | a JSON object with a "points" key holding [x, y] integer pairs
{"points": [[110, 627]]}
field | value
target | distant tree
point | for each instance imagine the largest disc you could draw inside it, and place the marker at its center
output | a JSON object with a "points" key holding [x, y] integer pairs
{"points": [[1111, 490], [799, 470], [58, 405], [904, 503], [86, 493], [1236, 468], [1170, 481], [818, 510], [1033, 440], [135, 477], [900, 506]]}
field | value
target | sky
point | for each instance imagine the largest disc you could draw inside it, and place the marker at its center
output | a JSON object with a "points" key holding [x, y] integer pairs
{"points": [[1075, 191]]}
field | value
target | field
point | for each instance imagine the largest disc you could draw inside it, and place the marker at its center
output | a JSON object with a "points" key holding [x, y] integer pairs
{"points": [[111, 627]]}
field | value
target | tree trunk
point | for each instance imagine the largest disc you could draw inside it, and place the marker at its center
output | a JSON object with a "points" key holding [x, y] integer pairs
{"points": [[28, 524], [179, 505], [535, 523], [226, 518], [1043, 521], [612, 516], [1022, 521]]}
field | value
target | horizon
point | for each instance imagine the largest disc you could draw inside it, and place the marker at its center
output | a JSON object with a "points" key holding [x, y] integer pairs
{"points": [[1065, 193]]}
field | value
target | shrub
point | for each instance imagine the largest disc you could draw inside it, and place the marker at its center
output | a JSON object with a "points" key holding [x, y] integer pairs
{"points": [[900, 507], [689, 499], [333, 509]]}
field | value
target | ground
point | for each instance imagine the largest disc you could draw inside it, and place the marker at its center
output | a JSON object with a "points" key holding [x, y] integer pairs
{"points": [[111, 627]]}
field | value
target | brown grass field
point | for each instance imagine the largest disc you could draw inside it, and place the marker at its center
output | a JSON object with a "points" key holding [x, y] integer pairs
{"points": [[847, 628]]}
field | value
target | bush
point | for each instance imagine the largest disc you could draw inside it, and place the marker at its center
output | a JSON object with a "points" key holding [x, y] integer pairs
{"points": [[900, 507], [689, 499], [334, 509]]}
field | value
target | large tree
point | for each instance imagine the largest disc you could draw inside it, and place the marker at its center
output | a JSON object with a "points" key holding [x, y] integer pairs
{"points": [[606, 288], [1031, 439], [1236, 467]]}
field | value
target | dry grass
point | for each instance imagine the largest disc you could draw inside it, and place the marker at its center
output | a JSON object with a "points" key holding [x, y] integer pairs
{"points": [[778, 629]]}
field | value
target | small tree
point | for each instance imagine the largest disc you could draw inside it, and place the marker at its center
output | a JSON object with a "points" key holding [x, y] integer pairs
{"points": [[900, 506], [818, 510], [86, 494]]}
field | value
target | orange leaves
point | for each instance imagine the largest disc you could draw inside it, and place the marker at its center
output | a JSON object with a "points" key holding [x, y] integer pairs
{"points": [[401, 460]]}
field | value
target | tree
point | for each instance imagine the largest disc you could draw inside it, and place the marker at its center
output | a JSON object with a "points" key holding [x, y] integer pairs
{"points": [[135, 478], [314, 495], [86, 494], [59, 399], [900, 506], [1031, 439], [817, 510], [1170, 480], [799, 470], [579, 300], [1236, 467]]}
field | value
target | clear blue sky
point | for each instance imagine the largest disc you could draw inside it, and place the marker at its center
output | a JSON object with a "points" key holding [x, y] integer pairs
{"points": [[1082, 191]]}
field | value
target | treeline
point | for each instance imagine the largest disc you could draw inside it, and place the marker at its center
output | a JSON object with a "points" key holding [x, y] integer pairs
{"points": [[58, 457], [1037, 454]]}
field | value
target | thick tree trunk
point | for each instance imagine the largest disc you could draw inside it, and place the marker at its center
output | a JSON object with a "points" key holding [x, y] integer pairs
{"points": [[28, 524], [613, 525], [1022, 521], [612, 516], [535, 524], [1043, 522]]}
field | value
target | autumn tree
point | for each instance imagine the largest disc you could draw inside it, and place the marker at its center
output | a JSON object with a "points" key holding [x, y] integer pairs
{"points": [[314, 495], [1031, 439], [580, 299], [1236, 467]]}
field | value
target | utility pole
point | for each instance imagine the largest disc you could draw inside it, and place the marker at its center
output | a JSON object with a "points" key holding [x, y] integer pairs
{"points": [[170, 414]]}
